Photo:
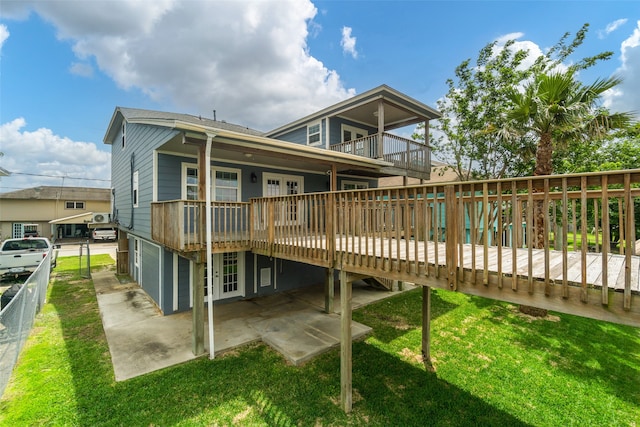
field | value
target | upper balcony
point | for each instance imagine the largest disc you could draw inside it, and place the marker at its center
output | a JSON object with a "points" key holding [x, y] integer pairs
{"points": [[409, 157], [361, 126]]}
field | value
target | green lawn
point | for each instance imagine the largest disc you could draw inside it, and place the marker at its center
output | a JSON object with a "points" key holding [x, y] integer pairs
{"points": [[492, 366]]}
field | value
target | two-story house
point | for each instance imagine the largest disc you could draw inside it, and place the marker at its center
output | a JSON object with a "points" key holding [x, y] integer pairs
{"points": [[182, 186]]}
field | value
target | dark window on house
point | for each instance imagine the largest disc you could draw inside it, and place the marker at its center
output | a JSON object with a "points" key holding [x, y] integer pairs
{"points": [[135, 189], [124, 134], [73, 205]]}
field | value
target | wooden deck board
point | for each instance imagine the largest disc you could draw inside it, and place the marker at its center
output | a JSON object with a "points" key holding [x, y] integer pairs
{"points": [[364, 249]]}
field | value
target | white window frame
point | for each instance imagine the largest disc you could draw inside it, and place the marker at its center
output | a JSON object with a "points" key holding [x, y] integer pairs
{"points": [[354, 130], [214, 187], [136, 189], [214, 170], [74, 204], [185, 184], [319, 133], [358, 185]]}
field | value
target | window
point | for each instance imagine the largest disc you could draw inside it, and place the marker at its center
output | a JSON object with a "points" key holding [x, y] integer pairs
{"points": [[354, 185], [225, 183], [314, 136], [190, 179], [226, 186], [73, 205], [124, 134], [135, 189], [349, 133]]}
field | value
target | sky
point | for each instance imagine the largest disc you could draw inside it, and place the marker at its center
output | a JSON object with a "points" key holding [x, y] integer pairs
{"points": [[65, 65]]}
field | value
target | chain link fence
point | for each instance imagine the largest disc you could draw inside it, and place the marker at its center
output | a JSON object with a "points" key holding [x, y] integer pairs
{"points": [[17, 317]]}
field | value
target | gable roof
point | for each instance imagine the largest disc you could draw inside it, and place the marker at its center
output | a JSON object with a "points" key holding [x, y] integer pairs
{"points": [[166, 119], [400, 110], [59, 193]]}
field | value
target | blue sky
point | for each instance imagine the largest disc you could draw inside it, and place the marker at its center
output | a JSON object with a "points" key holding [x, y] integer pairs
{"points": [[65, 65]]}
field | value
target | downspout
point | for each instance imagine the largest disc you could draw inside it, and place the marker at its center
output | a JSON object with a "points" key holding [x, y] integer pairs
{"points": [[207, 168]]}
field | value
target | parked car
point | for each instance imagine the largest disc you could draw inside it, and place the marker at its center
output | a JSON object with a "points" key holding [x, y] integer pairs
{"points": [[22, 256], [104, 233]]}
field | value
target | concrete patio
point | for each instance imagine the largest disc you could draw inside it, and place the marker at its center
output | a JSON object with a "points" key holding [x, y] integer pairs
{"points": [[142, 340]]}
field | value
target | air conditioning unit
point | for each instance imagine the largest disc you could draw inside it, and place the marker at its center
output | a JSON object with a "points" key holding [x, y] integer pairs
{"points": [[101, 218]]}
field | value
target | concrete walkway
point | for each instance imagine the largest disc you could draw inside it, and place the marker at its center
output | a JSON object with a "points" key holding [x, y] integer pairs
{"points": [[142, 340]]}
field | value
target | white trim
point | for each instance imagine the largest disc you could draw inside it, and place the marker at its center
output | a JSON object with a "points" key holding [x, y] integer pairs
{"points": [[160, 276], [175, 281], [327, 139], [155, 177], [190, 284]]}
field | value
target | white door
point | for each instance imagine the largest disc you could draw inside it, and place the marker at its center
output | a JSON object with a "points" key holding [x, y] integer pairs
{"points": [[285, 185], [229, 274]]}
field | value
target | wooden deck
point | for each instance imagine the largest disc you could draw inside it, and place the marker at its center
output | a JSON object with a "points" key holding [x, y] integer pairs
{"points": [[504, 239]]}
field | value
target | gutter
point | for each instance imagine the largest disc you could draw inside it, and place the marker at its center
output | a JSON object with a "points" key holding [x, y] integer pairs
{"points": [[207, 168]]}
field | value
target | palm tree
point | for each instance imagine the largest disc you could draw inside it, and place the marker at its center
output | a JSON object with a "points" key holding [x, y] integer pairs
{"points": [[557, 110]]}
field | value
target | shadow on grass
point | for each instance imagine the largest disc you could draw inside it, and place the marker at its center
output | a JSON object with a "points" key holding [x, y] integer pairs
{"points": [[592, 350], [406, 315], [254, 385]]}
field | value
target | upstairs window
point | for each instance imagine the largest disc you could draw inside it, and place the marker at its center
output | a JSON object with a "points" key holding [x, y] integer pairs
{"points": [[73, 205], [314, 136], [124, 134], [135, 189]]}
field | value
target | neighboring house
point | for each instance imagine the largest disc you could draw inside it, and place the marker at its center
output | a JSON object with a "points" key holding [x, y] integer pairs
{"points": [[159, 176], [53, 212]]}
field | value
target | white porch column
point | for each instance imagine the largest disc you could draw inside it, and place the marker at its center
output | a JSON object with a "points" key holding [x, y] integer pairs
{"points": [[380, 129]]}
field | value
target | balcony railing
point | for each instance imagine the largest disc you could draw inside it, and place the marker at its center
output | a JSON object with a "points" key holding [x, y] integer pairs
{"points": [[180, 225], [402, 152]]}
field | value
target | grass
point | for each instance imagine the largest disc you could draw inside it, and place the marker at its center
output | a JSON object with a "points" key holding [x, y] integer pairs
{"points": [[492, 366]]}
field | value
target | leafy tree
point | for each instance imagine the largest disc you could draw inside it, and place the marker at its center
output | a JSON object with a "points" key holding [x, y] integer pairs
{"points": [[476, 136]]}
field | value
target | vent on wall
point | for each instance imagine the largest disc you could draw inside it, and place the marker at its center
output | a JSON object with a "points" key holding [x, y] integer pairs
{"points": [[265, 277], [100, 218]]}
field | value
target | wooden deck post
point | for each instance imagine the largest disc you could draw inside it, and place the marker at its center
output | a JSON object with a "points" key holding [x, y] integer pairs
{"points": [[346, 384], [426, 325], [197, 317], [329, 291], [451, 235]]}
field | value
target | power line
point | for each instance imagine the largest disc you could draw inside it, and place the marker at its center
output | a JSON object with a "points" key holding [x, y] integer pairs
{"points": [[60, 176]]}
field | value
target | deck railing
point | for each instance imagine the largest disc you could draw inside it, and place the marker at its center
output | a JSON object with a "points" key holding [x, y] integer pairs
{"points": [[402, 152], [568, 237], [180, 225]]}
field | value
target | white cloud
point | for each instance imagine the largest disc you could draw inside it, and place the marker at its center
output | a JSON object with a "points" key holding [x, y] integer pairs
{"points": [[348, 42], [247, 60], [81, 69], [611, 27], [41, 152], [4, 35], [625, 96], [526, 45]]}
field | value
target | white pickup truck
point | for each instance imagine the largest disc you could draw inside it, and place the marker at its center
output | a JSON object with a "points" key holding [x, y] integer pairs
{"points": [[23, 256]]}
